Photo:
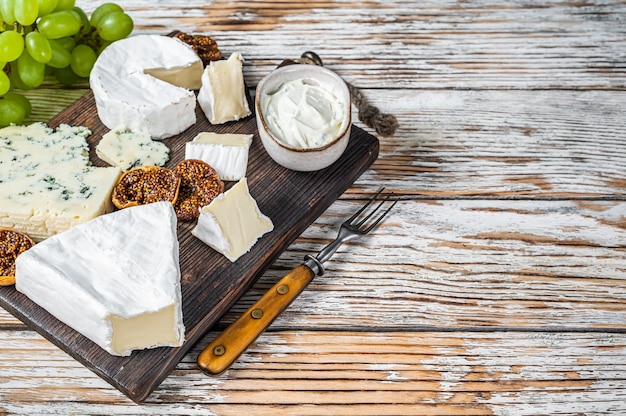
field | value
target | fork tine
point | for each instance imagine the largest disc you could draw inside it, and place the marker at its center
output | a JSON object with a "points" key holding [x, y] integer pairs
{"points": [[356, 214], [368, 216], [381, 216]]}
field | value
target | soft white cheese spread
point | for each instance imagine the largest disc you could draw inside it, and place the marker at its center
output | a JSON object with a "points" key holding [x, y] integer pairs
{"points": [[303, 113]]}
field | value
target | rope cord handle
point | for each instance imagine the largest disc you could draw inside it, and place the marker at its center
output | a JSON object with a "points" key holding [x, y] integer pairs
{"points": [[384, 124]]}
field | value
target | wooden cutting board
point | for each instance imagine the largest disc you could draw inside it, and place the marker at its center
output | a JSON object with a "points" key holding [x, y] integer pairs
{"points": [[211, 284]]}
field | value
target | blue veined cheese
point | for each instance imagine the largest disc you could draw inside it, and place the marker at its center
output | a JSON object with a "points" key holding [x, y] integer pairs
{"points": [[127, 148], [222, 96], [46, 182], [232, 223], [114, 279], [147, 82], [227, 153]]}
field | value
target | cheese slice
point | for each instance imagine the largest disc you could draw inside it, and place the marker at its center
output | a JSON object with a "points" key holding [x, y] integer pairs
{"points": [[146, 82], [232, 223], [227, 153], [222, 96], [46, 182], [115, 279], [127, 149]]}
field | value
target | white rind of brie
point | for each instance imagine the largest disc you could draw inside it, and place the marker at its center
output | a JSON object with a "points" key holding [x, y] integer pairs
{"points": [[146, 82], [114, 279], [232, 223], [227, 153], [222, 96]]}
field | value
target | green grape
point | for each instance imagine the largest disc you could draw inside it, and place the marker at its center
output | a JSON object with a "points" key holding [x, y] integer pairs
{"points": [[60, 56], [102, 11], [47, 6], [65, 5], [59, 24], [26, 11], [5, 83], [11, 45], [16, 82], [30, 71], [115, 26], [66, 76], [23, 101], [11, 111], [86, 25], [83, 58], [67, 42], [6, 10], [38, 47]]}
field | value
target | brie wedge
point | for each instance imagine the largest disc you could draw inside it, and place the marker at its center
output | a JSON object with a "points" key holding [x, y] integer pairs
{"points": [[227, 153], [222, 96], [115, 279], [46, 182], [127, 149], [145, 82], [232, 223]]}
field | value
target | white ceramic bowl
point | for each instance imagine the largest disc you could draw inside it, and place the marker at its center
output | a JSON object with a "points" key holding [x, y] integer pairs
{"points": [[303, 159]]}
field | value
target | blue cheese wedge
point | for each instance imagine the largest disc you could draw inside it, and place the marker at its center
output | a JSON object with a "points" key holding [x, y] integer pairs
{"points": [[46, 182], [127, 148], [232, 223], [147, 82], [222, 96], [115, 279], [227, 153]]}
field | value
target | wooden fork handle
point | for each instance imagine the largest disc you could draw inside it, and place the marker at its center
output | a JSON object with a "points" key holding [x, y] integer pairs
{"points": [[235, 339]]}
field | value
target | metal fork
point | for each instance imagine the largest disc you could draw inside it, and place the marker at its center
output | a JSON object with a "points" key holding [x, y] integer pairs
{"points": [[235, 339]]}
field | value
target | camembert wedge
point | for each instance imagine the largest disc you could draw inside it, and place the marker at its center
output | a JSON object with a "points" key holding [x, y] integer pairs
{"points": [[115, 279], [232, 223], [222, 96], [226, 152]]}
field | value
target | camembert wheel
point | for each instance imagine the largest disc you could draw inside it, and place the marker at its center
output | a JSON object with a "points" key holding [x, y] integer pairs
{"points": [[145, 185], [200, 184], [12, 244]]}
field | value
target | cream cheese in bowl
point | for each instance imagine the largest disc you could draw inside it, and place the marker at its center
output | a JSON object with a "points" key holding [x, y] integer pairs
{"points": [[303, 113]]}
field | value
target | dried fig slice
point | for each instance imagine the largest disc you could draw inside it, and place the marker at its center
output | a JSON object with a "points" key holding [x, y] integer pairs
{"points": [[145, 185], [200, 183], [12, 244]]}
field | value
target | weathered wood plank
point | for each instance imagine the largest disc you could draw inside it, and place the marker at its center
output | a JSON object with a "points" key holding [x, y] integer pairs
{"points": [[408, 44], [430, 373], [503, 144]]}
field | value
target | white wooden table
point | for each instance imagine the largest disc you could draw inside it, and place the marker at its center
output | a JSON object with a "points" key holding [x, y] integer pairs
{"points": [[498, 285]]}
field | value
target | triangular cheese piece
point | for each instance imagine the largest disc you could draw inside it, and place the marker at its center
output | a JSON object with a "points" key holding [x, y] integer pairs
{"points": [[115, 279], [232, 223]]}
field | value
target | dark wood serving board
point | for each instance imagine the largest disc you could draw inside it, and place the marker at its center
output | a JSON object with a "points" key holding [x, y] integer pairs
{"points": [[211, 284]]}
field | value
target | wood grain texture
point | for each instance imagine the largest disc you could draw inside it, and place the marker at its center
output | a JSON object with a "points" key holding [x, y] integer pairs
{"points": [[497, 287]]}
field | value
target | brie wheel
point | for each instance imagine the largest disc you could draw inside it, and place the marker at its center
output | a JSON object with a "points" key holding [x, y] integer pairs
{"points": [[145, 82]]}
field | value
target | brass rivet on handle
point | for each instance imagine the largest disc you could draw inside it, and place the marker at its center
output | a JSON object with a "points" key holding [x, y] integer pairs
{"points": [[282, 289], [219, 350], [257, 313]]}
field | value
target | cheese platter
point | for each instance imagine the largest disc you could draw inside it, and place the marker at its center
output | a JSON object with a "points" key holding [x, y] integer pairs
{"points": [[210, 283]]}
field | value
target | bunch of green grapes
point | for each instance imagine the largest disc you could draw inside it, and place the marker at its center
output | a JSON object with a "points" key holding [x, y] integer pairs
{"points": [[50, 37]]}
